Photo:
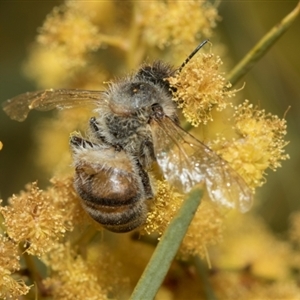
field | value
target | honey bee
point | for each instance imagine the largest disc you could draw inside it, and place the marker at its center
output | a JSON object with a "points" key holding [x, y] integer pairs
{"points": [[135, 126]]}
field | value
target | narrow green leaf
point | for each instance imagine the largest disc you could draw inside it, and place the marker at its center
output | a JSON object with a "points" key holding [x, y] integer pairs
{"points": [[166, 250]]}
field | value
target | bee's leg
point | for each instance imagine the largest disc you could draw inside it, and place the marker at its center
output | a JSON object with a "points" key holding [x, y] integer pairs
{"points": [[145, 181], [94, 125], [147, 155], [79, 142], [150, 149], [96, 129]]}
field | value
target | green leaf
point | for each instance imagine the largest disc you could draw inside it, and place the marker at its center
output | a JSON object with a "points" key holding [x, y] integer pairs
{"points": [[166, 250]]}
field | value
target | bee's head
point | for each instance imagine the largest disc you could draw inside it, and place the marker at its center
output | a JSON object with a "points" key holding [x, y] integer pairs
{"points": [[156, 73], [147, 87], [137, 94]]}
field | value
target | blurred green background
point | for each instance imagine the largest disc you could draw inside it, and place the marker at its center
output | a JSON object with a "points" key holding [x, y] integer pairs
{"points": [[273, 84]]}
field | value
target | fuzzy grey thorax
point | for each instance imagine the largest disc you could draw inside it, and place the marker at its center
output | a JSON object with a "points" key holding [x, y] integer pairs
{"points": [[131, 102]]}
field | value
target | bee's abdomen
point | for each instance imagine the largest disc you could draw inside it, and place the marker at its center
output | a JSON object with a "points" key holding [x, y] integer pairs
{"points": [[117, 218], [113, 197]]}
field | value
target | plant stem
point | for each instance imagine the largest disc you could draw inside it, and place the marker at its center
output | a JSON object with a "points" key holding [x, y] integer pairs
{"points": [[166, 250], [89, 233], [262, 46], [203, 274], [34, 274], [187, 126], [136, 47], [114, 41], [2, 226]]}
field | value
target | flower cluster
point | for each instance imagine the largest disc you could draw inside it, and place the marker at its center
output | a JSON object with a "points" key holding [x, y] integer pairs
{"points": [[203, 231], [36, 224], [165, 206], [200, 87], [44, 225], [57, 31], [249, 244], [177, 22], [10, 284], [81, 276], [259, 146]]}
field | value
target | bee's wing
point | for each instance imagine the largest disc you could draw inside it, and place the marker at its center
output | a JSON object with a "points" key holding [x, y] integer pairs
{"points": [[185, 161], [18, 107]]}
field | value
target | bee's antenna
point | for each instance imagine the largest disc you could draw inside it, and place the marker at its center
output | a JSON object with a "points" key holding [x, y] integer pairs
{"points": [[192, 54]]}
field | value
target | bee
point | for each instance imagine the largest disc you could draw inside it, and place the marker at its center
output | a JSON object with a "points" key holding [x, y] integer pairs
{"points": [[134, 127]]}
